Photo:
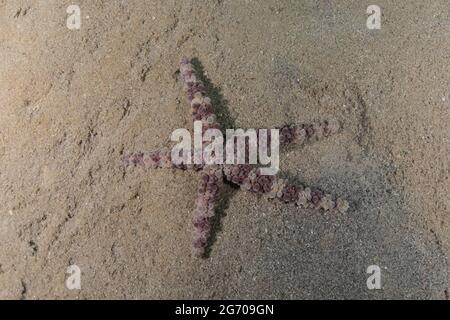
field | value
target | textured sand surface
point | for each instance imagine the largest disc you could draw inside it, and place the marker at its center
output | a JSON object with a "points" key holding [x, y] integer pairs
{"points": [[73, 101]]}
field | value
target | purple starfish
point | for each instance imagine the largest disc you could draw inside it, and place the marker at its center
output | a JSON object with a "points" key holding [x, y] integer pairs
{"points": [[246, 176]]}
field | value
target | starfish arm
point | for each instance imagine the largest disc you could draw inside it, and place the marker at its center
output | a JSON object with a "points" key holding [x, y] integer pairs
{"points": [[154, 159], [207, 194], [304, 196], [201, 108], [305, 132], [251, 180]]}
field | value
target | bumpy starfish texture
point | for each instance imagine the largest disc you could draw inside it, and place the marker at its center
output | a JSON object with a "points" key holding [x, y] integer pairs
{"points": [[246, 176]]}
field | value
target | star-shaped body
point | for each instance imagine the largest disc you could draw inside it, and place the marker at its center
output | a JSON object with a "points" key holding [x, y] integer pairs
{"points": [[246, 176]]}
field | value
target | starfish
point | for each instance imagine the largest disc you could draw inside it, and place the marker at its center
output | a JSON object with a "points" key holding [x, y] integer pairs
{"points": [[248, 177]]}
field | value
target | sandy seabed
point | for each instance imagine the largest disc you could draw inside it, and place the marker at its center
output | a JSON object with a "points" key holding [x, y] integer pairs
{"points": [[73, 101]]}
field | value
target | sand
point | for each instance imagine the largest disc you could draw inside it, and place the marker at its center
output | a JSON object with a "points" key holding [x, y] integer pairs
{"points": [[73, 101]]}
